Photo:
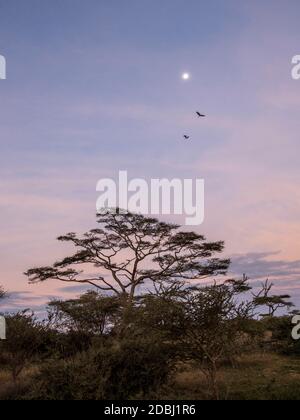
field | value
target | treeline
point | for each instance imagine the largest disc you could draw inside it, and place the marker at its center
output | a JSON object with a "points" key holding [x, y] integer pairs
{"points": [[147, 316]]}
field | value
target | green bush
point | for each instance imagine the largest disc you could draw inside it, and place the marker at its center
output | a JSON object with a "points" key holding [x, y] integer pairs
{"points": [[282, 341], [115, 371]]}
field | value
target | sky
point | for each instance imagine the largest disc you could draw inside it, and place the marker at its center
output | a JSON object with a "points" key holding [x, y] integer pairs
{"points": [[94, 87]]}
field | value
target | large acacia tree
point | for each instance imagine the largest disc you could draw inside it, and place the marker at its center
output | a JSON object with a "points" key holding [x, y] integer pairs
{"points": [[128, 250]]}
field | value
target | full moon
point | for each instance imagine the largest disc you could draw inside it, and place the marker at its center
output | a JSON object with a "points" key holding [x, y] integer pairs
{"points": [[186, 76]]}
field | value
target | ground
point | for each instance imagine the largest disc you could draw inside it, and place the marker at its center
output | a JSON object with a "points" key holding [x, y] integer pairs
{"points": [[257, 377], [264, 376]]}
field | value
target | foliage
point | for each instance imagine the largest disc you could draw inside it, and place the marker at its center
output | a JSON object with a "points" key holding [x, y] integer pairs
{"points": [[115, 371], [117, 343], [215, 323], [282, 340], [125, 247], [272, 302], [25, 341], [92, 314]]}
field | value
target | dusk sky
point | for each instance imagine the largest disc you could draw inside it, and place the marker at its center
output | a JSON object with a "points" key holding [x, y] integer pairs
{"points": [[94, 87]]}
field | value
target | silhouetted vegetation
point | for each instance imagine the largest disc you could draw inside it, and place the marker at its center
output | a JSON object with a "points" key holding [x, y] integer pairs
{"points": [[151, 327], [2, 293]]}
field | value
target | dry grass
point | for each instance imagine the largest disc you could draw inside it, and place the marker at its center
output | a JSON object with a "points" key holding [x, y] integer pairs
{"points": [[10, 390], [256, 377]]}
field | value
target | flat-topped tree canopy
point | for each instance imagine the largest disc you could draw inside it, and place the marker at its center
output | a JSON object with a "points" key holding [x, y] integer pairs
{"points": [[129, 249]]}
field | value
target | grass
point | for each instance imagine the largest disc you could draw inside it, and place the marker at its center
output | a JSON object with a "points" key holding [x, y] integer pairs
{"points": [[256, 377], [11, 391]]}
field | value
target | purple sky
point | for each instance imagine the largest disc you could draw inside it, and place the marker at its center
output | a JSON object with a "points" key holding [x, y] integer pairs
{"points": [[94, 87]]}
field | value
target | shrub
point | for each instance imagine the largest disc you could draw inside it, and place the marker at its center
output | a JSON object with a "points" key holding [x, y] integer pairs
{"points": [[115, 371]]}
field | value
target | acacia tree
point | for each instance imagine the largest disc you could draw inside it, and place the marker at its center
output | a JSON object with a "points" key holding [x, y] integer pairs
{"points": [[129, 249], [264, 298], [215, 321], [25, 338], [92, 314]]}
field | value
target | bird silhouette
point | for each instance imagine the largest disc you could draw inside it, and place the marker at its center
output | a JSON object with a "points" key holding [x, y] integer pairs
{"points": [[186, 137], [200, 115]]}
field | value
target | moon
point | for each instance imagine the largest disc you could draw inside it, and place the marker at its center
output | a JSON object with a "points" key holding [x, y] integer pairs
{"points": [[186, 76]]}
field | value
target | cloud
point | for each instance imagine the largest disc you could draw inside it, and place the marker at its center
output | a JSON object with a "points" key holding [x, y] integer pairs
{"points": [[24, 300], [74, 289], [261, 266]]}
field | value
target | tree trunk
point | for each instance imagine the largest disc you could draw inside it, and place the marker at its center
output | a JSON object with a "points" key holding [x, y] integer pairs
{"points": [[213, 379]]}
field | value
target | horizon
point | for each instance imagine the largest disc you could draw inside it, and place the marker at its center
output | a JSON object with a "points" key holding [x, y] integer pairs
{"points": [[93, 88]]}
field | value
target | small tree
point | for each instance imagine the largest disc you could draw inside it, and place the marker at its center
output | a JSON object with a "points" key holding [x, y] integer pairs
{"points": [[128, 250], [159, 314], [24, 339], [2, 320], [92, 314], [214, 327], [273, 302]]}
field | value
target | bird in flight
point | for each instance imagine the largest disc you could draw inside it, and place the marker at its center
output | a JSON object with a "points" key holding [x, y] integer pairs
{"points": [[200, 115], [186, 137]]}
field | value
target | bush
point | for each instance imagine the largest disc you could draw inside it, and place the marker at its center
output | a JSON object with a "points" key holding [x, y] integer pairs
{"points": [[25, 343], [282, 341], [115, 371]]}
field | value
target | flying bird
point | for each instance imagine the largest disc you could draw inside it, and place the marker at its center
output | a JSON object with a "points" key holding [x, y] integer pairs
{"points": [[200, 115], [186, 137]]}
